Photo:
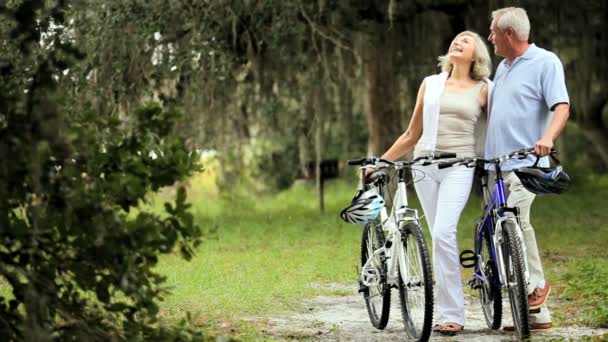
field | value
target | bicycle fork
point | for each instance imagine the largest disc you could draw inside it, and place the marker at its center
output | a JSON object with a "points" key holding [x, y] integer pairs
{"points": [[498, 239]]}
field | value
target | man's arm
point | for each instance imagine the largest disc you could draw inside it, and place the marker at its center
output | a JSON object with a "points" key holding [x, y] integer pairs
{"points": [[560, 117], [556, 96]]}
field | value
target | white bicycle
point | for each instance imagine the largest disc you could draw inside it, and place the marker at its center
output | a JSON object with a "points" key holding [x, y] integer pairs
{"points": [[394, 253]]}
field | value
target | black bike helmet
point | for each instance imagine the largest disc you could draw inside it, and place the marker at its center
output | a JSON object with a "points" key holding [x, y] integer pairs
{"points": [[544, 180]]}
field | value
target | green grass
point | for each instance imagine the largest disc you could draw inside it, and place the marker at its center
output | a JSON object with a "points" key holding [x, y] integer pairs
{"points": [[262, 255], [585, 283], [263, 252]]}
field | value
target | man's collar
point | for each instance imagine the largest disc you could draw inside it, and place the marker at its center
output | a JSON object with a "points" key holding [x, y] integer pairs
{"points": [[529, 53]]}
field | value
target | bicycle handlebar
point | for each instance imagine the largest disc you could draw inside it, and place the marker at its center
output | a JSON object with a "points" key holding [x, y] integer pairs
{"points": [[359, 161], [470, 162], [368, 161], [375, 160], [459, 161], [444, 155]]}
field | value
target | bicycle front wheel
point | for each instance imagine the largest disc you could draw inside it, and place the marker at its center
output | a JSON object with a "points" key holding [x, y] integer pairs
{"points": [[516, 281], [415, 283], [377, 293]]}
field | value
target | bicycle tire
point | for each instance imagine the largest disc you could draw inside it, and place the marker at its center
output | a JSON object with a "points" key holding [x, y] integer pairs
{"points": [[490, 295], [514, 269], [415, 287], [377, 298]]}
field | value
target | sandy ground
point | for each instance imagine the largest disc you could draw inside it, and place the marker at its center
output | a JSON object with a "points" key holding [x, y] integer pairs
{"points": [[344, 318]]}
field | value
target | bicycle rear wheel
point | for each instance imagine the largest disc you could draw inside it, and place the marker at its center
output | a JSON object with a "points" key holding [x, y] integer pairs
{"points": [[490, 295], [516, 282], [415, 283], [378, 294]]}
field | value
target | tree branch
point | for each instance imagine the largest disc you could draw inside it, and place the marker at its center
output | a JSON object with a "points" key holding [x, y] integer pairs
{"points": [[318, 30]]}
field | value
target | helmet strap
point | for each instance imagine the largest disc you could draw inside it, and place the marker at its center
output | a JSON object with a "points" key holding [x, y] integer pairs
{"points": [[552, 155]]}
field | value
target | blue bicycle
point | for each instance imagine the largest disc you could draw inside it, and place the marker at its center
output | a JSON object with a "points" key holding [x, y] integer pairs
{"points": [[499, 258]]}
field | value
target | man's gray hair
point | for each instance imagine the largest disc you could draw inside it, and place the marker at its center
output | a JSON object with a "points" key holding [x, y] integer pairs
{"points": [[515, 18]]}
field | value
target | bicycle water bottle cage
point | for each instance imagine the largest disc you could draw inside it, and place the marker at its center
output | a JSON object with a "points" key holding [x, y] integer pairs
{"points": [[467, 258], [378, 176]]}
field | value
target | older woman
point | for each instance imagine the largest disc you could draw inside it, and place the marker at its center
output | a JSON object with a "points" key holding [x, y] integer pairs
{"points": [[450, 108]]}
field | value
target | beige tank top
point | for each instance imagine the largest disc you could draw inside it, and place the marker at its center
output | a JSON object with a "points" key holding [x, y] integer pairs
{"points": [[458, 113]]}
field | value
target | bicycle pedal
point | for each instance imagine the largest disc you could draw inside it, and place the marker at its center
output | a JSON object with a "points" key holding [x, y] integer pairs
{"points": [[467, 259], [362, 288], [474, 284]]}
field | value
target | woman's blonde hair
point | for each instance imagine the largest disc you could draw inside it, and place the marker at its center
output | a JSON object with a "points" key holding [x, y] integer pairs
{"points": [[482, 64]]}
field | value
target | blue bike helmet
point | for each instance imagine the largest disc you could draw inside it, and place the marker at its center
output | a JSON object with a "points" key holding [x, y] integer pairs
{"points": [[544, 180], [364, 207]]}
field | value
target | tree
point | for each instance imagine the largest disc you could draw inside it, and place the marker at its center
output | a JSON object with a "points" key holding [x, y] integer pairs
{"points": [[250, 72], [78, 266]]}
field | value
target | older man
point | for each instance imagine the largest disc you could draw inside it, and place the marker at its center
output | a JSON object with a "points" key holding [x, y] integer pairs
{"points": [[529, 85]]}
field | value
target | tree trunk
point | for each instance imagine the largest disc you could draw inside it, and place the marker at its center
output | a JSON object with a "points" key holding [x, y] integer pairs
{"points": [[382, 104], [304, 154], [598, 141], [320, 108]]}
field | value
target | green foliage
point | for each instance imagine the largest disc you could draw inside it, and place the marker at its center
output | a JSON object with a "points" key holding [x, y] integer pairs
{"points": [[255, 70], [78, 267], [276, 164], [259, 80]]}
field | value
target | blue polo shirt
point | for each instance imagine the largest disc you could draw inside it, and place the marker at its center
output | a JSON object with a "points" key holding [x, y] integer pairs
{"points": [[524, 95]]}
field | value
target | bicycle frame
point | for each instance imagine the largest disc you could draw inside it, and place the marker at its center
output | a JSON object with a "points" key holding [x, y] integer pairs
{"points": [[495, 210], [400, 213]]}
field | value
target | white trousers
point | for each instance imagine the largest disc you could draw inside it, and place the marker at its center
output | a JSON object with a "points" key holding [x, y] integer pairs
{"points": [[443, 194]]}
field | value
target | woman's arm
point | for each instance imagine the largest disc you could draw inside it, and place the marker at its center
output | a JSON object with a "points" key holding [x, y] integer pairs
{"points": [[483, 97]]}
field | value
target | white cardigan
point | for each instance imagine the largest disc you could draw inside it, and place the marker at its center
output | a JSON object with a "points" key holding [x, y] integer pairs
{"points": [[434, 86]]}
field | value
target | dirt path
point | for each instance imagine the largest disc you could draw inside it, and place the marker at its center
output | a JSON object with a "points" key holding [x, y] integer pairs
{"points": [[344, 318]]}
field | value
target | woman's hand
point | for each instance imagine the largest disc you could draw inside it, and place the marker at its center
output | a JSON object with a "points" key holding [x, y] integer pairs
{"points": [[369, 170]]}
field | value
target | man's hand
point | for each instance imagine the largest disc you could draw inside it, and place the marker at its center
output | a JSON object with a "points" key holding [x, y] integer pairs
{"points": [[543, 146]]}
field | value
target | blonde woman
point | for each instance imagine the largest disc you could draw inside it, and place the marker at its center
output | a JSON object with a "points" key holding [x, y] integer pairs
{"points": [[450, 108]]}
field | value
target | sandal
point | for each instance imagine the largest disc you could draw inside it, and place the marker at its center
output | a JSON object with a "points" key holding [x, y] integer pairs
{"points": [[449, 328], [438, 327]]}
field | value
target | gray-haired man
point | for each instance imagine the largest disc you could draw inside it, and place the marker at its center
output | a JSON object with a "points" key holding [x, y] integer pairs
{"points": [[528, 85]]}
